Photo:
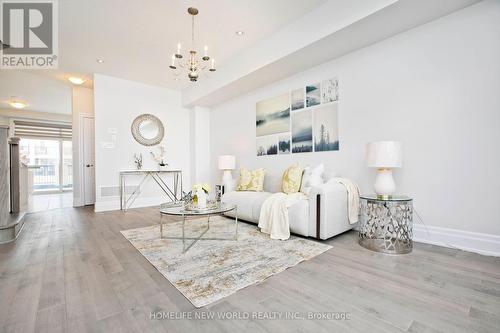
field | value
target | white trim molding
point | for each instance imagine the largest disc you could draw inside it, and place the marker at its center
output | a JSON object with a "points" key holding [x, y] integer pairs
{"points": [[114, 204], [79, 196], [485, 244], [38, 115]]}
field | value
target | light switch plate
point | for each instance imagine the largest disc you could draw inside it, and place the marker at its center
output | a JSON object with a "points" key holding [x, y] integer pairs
{"points": [[108, 145]]}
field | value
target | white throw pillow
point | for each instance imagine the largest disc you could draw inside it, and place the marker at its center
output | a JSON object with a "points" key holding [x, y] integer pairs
{"points": [[312, 177], [329, 174]]}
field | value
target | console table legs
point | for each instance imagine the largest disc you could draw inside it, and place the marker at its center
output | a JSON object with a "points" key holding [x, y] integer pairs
{"points": [[171, 193]]}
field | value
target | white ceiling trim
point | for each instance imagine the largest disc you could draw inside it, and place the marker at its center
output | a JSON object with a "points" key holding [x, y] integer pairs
{"points": [[26, 114]]}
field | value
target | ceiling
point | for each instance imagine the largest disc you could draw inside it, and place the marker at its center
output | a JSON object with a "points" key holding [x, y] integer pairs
{"points": [[42, 94], [136, 39], [326, 33]]}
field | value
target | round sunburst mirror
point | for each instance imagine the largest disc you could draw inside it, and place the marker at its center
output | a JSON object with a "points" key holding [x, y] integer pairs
{"points": [[147, 129]]}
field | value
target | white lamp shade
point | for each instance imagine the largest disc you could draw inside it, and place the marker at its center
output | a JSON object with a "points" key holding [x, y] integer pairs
{"points": [[384, 154], [227, 162]]}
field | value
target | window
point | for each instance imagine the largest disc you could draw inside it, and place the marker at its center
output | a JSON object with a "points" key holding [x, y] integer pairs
{"points": [[30, 129], [51, 160], [67, 164]]}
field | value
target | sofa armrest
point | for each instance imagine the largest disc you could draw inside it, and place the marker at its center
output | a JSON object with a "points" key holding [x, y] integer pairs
{"points": [[328, 212], [331, 187]]}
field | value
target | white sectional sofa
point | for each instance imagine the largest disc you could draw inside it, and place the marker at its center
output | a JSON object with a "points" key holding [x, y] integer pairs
{"points": [[322, 215]]}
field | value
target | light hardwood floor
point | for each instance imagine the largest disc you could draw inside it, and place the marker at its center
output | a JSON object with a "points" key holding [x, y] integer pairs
{"points": [[71, 270], [42, 202]]}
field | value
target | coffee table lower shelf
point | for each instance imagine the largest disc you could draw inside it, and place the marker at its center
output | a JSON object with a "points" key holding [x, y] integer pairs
{"points": [[179, 211]]}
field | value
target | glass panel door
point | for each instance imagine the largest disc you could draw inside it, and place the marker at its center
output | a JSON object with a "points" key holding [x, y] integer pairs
{"points": [[44, 155], [67, 165], [51, 161]]}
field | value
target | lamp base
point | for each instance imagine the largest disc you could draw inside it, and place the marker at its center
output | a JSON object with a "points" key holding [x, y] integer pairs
{"points": [[228, 181], [384, 184], [227, 176]]}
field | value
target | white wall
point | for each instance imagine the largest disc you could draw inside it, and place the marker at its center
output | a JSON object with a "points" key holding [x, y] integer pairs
{"points": [[200, 145], [117, 103], [4, 120], [8, 114], [435, 88], [82, 102]]}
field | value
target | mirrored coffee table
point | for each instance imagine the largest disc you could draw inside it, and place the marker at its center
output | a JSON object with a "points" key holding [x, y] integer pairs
{"points": [[179, 209]]}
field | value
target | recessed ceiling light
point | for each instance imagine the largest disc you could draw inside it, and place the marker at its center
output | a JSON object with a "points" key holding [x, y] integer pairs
{"points": [[240, 33], [17, 104], [100, 61], [76, 80], [176, 78]]}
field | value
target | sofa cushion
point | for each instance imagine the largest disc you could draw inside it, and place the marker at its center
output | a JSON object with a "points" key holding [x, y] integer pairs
{"points": [[248, 203]]}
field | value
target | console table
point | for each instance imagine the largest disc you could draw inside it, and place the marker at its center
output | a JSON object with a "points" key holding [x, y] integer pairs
{"points": [[386, 225], [172, 190]]}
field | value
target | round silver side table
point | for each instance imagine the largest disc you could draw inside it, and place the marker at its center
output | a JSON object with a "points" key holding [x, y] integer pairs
{"points": [[386, 225]]}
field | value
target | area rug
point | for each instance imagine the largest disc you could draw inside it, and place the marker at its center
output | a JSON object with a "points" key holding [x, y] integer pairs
{"points": [[213, 269]]}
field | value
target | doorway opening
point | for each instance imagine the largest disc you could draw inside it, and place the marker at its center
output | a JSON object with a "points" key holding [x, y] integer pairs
{"points": [[50, 162], [46, 171]]}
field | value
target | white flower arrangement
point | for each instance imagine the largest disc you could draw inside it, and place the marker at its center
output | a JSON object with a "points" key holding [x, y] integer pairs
{"points": [[205, 187], [138, 161], [160, 157]]}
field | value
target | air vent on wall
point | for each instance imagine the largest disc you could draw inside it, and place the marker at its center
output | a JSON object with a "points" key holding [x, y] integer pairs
{"points": [[114, 191]]}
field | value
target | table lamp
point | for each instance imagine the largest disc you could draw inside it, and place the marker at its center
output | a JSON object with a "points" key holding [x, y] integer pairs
{"points": [[384, 155], [227, 163]]}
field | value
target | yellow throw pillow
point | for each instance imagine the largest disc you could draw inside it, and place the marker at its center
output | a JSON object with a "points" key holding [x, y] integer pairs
{"points": [[251, 180], [292, 177]]}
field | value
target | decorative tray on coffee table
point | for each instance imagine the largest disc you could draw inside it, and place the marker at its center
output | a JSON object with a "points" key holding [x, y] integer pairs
{"points": [[210, 206]]}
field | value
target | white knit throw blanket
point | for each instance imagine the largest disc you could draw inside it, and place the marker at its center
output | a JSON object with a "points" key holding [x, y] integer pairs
{"points": [[273, 219], [352, 198]]}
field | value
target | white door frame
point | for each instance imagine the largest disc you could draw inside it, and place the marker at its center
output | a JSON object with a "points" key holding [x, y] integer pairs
{"points": [[81, 169]]}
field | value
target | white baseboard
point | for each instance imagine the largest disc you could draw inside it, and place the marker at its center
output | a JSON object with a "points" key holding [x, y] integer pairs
{"points": [[485, 244], [104, 206]]}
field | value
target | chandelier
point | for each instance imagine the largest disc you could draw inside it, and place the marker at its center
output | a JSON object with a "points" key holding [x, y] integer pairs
{"points": [[193, 65]]}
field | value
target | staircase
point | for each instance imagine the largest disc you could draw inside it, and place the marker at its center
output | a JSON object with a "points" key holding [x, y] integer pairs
{"points": [[11, 219]]}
